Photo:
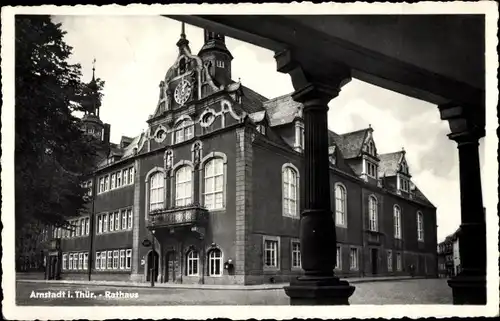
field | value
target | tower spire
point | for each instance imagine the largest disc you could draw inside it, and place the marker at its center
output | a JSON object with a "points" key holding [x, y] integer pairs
{"points": [[183, 42]]}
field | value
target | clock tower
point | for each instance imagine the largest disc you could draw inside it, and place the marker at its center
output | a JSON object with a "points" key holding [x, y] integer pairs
{"points": [[217, 57]]}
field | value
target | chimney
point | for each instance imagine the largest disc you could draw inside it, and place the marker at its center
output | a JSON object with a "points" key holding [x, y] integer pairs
{"points": [[107, 130]]}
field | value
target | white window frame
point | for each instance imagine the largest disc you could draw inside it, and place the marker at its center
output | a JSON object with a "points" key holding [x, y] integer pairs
{"points": [[128, 255], [289, 187], [64, 260], [101, 185], [399, 262], [274, 251], [184, 130], [214, 260], [354, 259], [118, 179], [372, 213], [70, 261], [105, 223], [103, 260], [192, 263], [123, 215], [156, 191], [131, 172], [340, 205], [112, 181], [420, 226], [111, 222], [109, 260], [296, 255], [117, 221], [130, 218], [116, 259], [87, 226], [122, 259], [218, 172], [106, 183], [99, 224], [183, 186], [371, 169], [397, 222], [97, 260], [85, 260]]}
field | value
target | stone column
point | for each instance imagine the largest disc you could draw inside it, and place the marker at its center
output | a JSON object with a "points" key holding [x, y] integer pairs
{"points": [[315, 86], [469, 286]]}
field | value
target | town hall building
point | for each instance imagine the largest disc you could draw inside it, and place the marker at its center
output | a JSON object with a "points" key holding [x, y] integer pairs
{"points": [[211, 192]]}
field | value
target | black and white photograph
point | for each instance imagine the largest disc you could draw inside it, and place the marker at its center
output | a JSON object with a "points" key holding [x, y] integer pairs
{"points": [[250, 161]]}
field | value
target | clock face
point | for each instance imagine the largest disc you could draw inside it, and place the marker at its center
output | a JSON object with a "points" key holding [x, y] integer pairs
{"points": [[182, 92]]}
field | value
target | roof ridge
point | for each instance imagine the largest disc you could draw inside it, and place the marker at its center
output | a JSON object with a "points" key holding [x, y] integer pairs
{"points": [[354, 132], [278, 97]]}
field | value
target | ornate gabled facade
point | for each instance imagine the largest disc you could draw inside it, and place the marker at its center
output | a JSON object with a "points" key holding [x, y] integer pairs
{"points": [[215, 183]]}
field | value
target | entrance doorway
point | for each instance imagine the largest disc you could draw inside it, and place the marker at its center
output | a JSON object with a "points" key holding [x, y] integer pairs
{"points": [[52, 267], [171, 266], [152, 267], [374, 260]]}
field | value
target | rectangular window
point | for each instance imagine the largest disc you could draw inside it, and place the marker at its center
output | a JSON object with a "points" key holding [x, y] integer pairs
{"points": [[271, 253], [420, 226], [80, 261], [106, 183], [111, 222], [101, 185], [113, 181], [124, 219], [77, 228], [70, 261], [82, 224], [87, 225], [99, 224], [85, 260], [116, 259], [118, 179], [131, 175], [354, 259], [128, 261], [64, 260], [122, 259], [296, 260], [103, 260], [89, 186], [399, 263], [389, 261], [98, 260], [105, 223], [117, 221], [129, 221], [109, 262], [338, 264]]}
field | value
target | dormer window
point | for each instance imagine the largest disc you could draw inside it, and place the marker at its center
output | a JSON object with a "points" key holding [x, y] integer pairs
{"points": [[299, 136], [404, 168], [370, 148], [404, 184], [220, 64], [261, 129], [371, 169]]}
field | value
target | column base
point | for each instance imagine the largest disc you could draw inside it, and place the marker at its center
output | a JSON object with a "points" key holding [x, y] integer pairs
{"points": [[306, 290], [468, 289]]}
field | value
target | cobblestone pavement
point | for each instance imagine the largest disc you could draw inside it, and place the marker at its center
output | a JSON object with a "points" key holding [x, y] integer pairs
{"points": [[423, 291]]}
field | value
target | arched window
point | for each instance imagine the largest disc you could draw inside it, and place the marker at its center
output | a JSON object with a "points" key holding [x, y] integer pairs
{"points": [[340, 205], [184, 130], [214, 184], [290, 192], [183, 186], [373, 213], [397, 222], [156, 191], [371, 148], [215, 262], [192, 263], [420, 226]]}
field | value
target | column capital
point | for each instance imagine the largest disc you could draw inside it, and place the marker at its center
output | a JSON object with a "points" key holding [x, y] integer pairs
{"points": [[313, 81], [466, 122]]}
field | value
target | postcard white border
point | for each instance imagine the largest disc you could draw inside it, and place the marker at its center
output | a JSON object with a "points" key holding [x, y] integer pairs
{"points": [[11, 311]]}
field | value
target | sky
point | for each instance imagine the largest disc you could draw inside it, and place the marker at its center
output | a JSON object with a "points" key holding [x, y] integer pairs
{"points": [[133, 54]]}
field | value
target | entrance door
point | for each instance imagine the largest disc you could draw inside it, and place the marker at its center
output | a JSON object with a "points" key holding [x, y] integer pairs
{"points": [[153, 259], [171, 266], [374, 260]]}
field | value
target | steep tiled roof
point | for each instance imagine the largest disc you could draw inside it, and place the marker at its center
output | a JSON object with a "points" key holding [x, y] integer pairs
{"points": [[349, 143], [389, 162], [251, 100], [282, 110], [115, 150]]}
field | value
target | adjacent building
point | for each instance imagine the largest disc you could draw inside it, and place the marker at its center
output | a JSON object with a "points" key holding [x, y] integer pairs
{"points": [[211, 192]]}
